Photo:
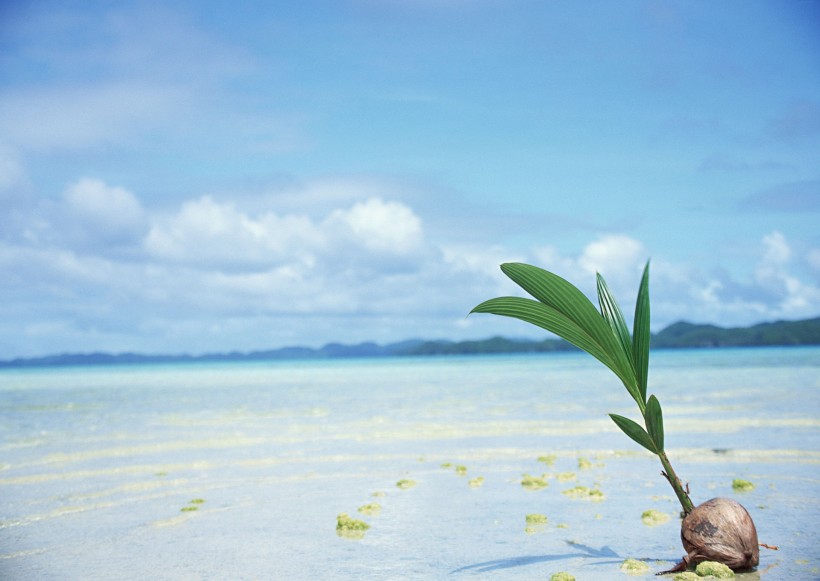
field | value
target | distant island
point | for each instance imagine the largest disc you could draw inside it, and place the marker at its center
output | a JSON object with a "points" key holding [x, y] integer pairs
{"points": [[680, 335]]}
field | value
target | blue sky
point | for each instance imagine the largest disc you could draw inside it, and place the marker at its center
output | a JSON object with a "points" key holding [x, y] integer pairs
{"points": [[209, 176]]}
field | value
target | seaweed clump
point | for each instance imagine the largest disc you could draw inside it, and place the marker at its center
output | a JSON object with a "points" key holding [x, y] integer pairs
{"points": [[475, 482], [370, 508], [584, 492], [534, 482], [654, 517], [562, 576], [536, 519], [349, 527], [740, 485], [714, 569], [634, 566]]}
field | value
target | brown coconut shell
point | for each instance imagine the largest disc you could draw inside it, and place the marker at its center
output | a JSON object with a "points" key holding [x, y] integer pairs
{"points": [[720, 530]]}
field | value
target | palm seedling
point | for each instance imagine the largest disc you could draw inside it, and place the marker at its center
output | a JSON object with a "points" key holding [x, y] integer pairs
{"points": [[719, 529]]}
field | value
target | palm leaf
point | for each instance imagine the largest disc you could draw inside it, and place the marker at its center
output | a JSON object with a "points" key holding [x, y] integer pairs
{"points": [[565, 298], [546, 317], [613, 315], [641, 334], [654, 422], [634, 431]]}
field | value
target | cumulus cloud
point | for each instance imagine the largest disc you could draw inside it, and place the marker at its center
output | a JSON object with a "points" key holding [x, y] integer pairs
{"points": [[773, 274], [366, 269], [113, 213], [771, 291], [615, 255], [208, 233], [219, 235], [381, 227]]}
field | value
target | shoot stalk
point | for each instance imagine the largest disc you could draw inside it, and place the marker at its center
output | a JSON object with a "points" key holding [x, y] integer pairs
{"points": [[677, 486]]}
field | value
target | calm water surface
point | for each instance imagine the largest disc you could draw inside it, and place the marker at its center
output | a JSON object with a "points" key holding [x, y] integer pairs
{"points": [[99, 466]]}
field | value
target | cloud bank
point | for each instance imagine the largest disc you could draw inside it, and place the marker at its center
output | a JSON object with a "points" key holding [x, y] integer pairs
{"points": [[99, 269]]}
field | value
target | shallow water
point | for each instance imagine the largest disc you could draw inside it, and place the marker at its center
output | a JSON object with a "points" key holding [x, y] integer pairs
{"points": [[97, 465]]}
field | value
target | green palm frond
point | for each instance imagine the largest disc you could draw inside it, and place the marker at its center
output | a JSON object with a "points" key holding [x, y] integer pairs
{"points": [[568, 313]]}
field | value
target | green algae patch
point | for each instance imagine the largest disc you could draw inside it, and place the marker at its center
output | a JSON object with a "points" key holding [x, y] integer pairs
{"points": [[193, 505], [405, 483], [652, 517], [740, 485], [350, 527], [634, 566], [584, 464], [447, 465], [715, 569], [370, 508], [379, 494], [475, 482], [536, 519], [535, 523], [562, 576], [534, 482], [461, 470], [548, 459], [565, 476], [584, 492], [686, 576]]}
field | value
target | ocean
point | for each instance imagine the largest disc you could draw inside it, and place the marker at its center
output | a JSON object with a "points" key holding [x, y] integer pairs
{"points": [[240, 470]]}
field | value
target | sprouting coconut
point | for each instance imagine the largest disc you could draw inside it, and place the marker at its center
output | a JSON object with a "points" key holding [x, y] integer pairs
{"points": [[719, 529]]}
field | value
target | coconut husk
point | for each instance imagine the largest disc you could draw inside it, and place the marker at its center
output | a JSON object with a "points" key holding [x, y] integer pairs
{"points": [[720, 530]]}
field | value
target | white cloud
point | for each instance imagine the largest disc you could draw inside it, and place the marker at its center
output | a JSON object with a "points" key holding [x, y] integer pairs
{"points": [[378, 226], [112, 212], [207, 233], [365, 269], [795, 298], [614, 256]]}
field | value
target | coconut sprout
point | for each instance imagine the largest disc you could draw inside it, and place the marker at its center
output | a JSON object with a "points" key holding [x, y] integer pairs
{"points": [[719, 529]]}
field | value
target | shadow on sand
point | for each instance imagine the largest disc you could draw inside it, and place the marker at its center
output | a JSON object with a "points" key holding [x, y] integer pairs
{"points": [[581, 551]]}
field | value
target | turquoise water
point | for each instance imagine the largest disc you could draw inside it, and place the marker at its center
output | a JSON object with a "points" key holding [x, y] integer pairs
{"points": [[97, 465]]}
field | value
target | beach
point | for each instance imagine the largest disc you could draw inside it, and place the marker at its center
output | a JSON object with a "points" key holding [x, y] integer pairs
{"points": [[241, 470]]}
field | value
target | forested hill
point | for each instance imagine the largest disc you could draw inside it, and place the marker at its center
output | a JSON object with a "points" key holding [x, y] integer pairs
{"points": [[805, 332], [677, 336]]}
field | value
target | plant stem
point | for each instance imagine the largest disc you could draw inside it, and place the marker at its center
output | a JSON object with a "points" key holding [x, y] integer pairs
{"points": [[677, 486]]}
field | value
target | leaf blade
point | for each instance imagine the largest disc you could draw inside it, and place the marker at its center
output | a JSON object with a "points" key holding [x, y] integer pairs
{"points": [[548, 318], [641, 334], [634, 431], [564, 297], [613, 315], [654, 422]]}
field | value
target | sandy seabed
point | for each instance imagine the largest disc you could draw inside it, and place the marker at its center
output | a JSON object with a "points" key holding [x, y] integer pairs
{"points": [[107, 475]]}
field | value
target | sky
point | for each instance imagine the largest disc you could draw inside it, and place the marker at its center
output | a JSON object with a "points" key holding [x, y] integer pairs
{"points": [[207, 176]]}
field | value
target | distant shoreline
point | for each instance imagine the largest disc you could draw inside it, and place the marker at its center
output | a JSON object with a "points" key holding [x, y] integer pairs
{"points": [[679, 335]]}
